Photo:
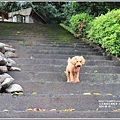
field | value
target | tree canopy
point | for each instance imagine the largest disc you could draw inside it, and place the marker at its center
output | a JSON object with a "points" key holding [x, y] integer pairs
{"points": [[56, 12]]}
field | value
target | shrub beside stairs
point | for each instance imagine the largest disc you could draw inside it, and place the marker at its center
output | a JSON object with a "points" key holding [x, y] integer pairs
{"points": [[42, 58]]}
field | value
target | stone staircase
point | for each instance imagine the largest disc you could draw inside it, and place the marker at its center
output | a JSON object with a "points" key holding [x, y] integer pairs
{"points": [[42, 52]]}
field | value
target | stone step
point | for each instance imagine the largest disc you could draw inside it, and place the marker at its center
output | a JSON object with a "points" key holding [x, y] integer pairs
{"points": [[59, 51], [62, 56], [51, 39], [69, 88], [43, 40], [42, 59], [23, 102], [28, 61], [63, 52], [37, 48], [61, 68], [50, 44], [61, 77], [62, 45], [61, 115], [56, 50], [59, 102]]}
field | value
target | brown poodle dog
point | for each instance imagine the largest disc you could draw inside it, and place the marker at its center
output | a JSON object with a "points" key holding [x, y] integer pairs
{"points": [[73, 68]]}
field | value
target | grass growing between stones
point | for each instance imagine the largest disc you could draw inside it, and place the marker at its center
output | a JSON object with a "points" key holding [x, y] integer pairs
{"points": [[62, 35], [10, 30]]}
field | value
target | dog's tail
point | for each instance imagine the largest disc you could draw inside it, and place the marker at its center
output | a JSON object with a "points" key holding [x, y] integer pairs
{"points": [[68, 59]]}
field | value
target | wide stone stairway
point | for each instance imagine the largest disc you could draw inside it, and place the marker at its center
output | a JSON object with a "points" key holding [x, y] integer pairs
{"points": [[43, 51]]}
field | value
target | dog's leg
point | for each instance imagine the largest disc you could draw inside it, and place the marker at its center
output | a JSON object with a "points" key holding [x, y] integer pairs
{"points": [[68, 76], [71, 77], [77, 77]]}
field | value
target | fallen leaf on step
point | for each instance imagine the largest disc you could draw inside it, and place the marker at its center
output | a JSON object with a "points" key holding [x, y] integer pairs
{"points": [[29, 109], [67, 110], [109, 94], [86, 93], [97, 110], [43, 110], [53, 110], [96, 94], [18, 32], [31, 57], [37, 109], [5, 110], [95, 71], [34, 93], [118, 110]]}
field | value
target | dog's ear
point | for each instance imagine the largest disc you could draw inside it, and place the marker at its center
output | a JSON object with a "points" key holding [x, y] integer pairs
{"points": [[83, 60], [73, 60]]}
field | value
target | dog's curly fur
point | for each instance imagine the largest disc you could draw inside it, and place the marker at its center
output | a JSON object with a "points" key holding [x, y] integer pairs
{"points": [[73, 68]]}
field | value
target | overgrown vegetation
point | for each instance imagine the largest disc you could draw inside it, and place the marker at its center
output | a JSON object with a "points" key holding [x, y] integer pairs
{"points": [[105, 31], [79, 22], [68, 29]]}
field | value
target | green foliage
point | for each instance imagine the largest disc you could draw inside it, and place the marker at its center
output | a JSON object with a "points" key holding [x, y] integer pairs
{"points": [[48, 11], [105, 31], [95, 8], [79, 22], [57, 12], [67, 11], [11, 6]]}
